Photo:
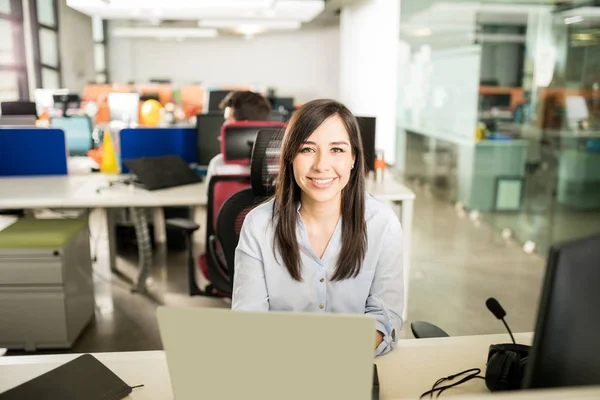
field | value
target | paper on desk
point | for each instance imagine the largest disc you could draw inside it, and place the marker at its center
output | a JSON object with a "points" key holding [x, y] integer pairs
{"points": [[6, 221]]}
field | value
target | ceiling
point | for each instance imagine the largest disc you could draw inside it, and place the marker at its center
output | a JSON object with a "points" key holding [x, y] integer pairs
{"points": [[449, 23], [210, 18]]}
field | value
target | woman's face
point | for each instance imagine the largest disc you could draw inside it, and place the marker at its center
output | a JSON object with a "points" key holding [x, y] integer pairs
{"points": [[323, 164]]}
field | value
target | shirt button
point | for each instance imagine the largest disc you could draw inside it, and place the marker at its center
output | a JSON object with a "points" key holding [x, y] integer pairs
{"points": [[321, 306], [322, 280]]}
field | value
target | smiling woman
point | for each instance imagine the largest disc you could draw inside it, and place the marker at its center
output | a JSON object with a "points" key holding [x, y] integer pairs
{"points": [[322, 244]]}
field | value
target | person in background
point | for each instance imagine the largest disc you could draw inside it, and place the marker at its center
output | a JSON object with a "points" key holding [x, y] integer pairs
{"points": [[238, 106], [322, 244]]}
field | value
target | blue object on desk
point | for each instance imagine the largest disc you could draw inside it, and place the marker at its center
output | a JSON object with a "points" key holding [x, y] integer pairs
{"points": [[78, 133], [151, 142], [498, 136], [592, 145], [32, 151]]}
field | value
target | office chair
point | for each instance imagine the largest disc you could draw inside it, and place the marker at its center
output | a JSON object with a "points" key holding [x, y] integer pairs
{"points": [[263, 174], [426, 330], [18, 108]]}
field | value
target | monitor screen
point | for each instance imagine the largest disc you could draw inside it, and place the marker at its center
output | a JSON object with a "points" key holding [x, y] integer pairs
{"points": [[566, 347], [124, 107], [18, 108], [208, 134], [367, 132], [239, 142], [78, 133], [286, 103], [215, 97]]}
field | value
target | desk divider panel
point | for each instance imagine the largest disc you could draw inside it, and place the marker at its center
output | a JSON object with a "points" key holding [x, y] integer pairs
{"points": [[32, 152], [151, 142]]}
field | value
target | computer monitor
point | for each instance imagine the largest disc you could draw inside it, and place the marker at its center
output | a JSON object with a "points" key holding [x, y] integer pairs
{"points": [[18, 108], [566, 346], [286, 103], [44, 98], [215, 97], [68, 103], [208, 134], [239, 143], [149, 96], [78, 133], [367, 132], [124, 107]]}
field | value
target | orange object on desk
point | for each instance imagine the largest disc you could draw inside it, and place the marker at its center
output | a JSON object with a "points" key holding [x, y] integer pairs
{"points": [[379, 163]]}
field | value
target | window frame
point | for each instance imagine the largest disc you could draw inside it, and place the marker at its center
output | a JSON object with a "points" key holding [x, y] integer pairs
{"points": [[15, 17], [36, 26]]}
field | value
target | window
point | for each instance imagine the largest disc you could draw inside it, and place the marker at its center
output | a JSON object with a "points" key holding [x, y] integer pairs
{"points": [[7, 47], [5, 6], [9, 85], [44, 25], [98, 28], [13, 72], [49, 47], [50, 78], [45, 13]]}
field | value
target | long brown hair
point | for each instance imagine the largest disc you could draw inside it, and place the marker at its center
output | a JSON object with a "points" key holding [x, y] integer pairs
{"points": [[354, 228]]}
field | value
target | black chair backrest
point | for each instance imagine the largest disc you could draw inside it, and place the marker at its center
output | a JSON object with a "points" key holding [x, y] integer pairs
{"points": [[230, 221], [220, 188], [264, 163]]}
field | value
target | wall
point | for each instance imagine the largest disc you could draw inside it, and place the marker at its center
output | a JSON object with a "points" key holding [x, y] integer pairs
{"points": [[369, 33], [76, 48], [302, 64]]}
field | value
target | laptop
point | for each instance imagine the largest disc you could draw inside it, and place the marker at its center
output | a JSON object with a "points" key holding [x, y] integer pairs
{"points": [[224, 354], [161, 172]]}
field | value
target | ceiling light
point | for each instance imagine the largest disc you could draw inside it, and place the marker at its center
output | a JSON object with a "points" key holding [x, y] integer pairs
{"points": [[171, 33], [421, 32], [236, 23], [249, 30], [573, 20]]}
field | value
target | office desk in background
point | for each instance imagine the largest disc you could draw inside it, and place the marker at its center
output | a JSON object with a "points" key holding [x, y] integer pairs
{"points": [[93, 191], [405, 373]]}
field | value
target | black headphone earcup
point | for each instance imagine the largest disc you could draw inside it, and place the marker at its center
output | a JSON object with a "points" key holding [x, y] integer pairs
{"points": [[502, 372]]}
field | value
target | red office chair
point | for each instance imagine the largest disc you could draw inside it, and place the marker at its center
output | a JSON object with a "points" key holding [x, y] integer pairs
{"points": [[213, 264]]}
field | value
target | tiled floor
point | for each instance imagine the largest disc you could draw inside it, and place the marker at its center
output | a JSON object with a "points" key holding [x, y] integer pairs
{"points": [[456, 265]]}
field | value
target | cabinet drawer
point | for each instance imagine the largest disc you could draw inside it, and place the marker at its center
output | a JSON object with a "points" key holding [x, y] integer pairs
{"points": [[22, 270], [32, 318]]}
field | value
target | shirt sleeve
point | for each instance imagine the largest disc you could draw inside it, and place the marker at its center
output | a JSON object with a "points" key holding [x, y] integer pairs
{"points": [[386, 297], [249, 284]]}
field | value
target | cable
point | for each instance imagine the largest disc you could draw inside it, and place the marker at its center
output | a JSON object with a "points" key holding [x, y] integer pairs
{"points": [[472, 373]]}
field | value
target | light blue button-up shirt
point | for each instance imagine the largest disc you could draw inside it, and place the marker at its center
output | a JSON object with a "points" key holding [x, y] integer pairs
{"points": [[262, 282]]}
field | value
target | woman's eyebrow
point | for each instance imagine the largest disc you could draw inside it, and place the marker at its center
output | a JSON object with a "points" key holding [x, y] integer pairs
{"points": [[341, 143]]}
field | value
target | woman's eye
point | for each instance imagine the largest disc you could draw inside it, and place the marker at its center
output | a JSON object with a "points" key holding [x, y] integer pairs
{"points": [[306, 150], [337, 150]]}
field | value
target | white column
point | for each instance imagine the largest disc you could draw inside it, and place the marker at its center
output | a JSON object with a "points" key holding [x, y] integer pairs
{"points": [[369, 36]]}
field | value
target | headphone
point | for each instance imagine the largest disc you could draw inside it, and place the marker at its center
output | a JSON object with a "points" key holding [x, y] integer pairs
{"points": [[505, 367]]}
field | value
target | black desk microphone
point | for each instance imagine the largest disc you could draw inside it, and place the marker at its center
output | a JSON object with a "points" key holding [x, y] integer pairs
{"points": [[496, 309]]}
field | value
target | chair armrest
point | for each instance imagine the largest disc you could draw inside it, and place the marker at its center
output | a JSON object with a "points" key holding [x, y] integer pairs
{"points": [[217, 257], [186, 225], [425, 330]]}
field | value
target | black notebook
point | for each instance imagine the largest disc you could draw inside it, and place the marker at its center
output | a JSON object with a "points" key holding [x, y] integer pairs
{"points": [[162, 172], [82, 378]]}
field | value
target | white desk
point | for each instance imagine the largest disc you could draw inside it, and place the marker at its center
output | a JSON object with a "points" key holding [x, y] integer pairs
{"points": [[93, 191], [81, 191], [405, 373]]}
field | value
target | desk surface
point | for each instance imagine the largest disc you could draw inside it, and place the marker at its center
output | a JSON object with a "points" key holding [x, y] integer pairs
{"points": [[81, 191], [406, 372]]}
